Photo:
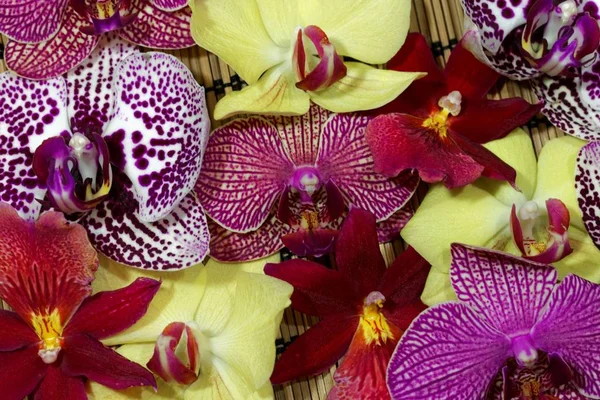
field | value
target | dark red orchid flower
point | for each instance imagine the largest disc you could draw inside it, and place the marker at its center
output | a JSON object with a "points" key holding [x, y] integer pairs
{"points": [[51, 344], [364, 310], [438, 124]]}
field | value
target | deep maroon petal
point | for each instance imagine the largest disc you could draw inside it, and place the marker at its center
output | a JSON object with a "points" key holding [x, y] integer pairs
{"points": [[86, 356], [107, 313], [52, 58], [58, 386], [313, 242], [404, 280], [31, 21], [587, 183], [318, 290], [20, 372], [315, 350], [357, 252], [14, 333]]}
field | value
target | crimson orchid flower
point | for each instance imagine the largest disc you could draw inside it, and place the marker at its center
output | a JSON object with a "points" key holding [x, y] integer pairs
{"points": [[438, 124], [364, 308], [49, 38], [51, 344]]}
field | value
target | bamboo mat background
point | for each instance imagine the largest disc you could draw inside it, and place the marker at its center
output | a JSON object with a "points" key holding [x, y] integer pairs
{"points": [[441, 21]]}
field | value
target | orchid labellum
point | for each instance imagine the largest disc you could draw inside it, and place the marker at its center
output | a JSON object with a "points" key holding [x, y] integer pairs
{"points": [[116, 144], [514, 334], [49, 38], [292, 52], [274, 181]]}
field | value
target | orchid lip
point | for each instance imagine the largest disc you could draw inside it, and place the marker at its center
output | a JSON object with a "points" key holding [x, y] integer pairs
{"points": [[105, 16], [307, 181], [524, 350]]}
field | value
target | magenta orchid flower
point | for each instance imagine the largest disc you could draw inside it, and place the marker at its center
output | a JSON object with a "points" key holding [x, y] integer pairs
{"points": [[274, 181], [50, 345], [117, 144], [514, 334], [49, 38]]}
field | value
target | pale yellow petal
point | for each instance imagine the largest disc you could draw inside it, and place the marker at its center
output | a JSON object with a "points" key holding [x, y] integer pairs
{"points": [[364, 88], [209, 386], [274, 93], [366, 30], [235, 32], [584, 260], [556, 175], [281, 18], [437, 288], [256, 266]]}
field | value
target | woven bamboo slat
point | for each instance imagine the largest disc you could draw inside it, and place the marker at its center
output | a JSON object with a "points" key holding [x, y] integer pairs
{"points": [[441, 21]]}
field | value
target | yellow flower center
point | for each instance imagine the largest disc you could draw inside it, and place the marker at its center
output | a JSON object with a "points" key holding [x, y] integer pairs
{"points": [[309, 220], [106, 9], [49, 329], [375, 327], [450, 105]]}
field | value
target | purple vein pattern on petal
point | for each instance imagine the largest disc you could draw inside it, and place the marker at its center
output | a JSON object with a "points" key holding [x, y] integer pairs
{"points": [[159, 29], [244, 172], [345, 158], [52, 58], [31, 21], [30, 112], [160, 127], [448, 352], [587, 183], [570, 326], [169, 5], [389, 229], [177, 241], [230, 246], [508, 291], [90, 86]]}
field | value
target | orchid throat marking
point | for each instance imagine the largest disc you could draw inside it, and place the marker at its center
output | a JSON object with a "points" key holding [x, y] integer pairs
{"points": [[374, 324]]}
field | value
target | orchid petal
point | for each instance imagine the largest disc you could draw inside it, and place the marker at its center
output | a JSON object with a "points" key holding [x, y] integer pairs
{"points": [[161, 142], [274, 93], [46, 267], [405, 61], [20, 372], [24, 124], [159, 28], [584, 258], [437, 288], [245, 170], [345, 159], [280, 19], [90, 86], [15, 334], [67, 49], [57, 386], [85, 356], [587, 184], [235, 32], [569, 327], [228, 246], [389, 229], [211, 386], [177, 241], [404, 279], [311, 243], [447, 353], [364, 88], [521, 286], [31, 21], [356, 28]]}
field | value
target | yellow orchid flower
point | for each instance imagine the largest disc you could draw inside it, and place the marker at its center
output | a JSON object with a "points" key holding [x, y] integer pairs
{"points": [[290, 52], [209, 333], [480, 214]]}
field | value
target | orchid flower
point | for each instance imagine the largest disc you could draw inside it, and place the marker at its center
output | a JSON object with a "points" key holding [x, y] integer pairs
{"points": [[50, 344], [438, 124], [269, 181], [514, 334], [542, 222], [364, 310], [117, 144], [291, 52], [209, 334], [50, 37]]}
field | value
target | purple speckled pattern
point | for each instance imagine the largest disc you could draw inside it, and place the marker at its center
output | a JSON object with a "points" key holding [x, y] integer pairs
{"points": [[587, 183], [54, 57], [389, 229], [31, 21], [91, 88], [162, 122], [30, 112], [169, 5], [159, 29], [345, 159]]}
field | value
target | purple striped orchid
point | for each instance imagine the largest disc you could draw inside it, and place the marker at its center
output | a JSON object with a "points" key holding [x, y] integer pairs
{"points": [[274, 181], [49, 38], [117, 144], [514, 334]]}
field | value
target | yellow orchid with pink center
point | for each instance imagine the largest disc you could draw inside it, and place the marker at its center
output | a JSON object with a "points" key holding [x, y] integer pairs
{"points": [[291, 52], [209, 333]]}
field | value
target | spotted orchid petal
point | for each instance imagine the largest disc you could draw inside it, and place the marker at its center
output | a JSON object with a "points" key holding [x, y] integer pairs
{"points": [[177, 241], [245, 171], [30, 112], [31, 21], [587, 182], [160, 24], [54, 57], [158, 132]]}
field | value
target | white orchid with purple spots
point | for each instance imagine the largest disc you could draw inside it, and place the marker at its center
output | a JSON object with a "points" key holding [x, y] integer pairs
{"points": [[116, 144], [514, 334]]}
